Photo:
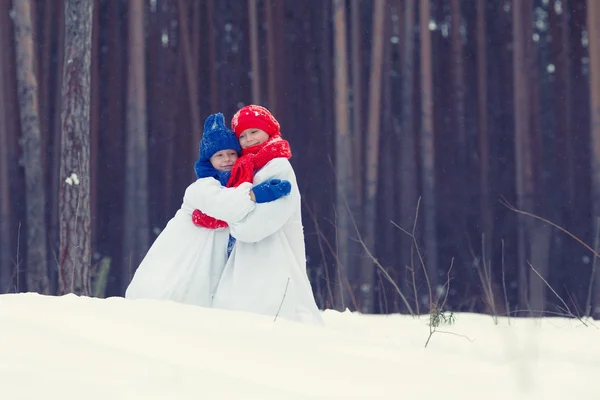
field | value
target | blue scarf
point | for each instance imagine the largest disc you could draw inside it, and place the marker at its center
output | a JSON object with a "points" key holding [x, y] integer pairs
{"points": [[204, 169]]}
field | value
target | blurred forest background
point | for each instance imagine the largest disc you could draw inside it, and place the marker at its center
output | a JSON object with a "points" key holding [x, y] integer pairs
{"points": [[416, 126]]}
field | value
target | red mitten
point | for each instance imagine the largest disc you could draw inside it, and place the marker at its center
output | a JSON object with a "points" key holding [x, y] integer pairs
{"points": [[205, 221]]}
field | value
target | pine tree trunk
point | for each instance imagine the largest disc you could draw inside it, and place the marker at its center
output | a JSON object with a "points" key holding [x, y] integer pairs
{"points": [[407, 181], [74, 197], [271, 73], [55, 149], [372, 156], [539, 235], [594, 51], [37, 270], [524, 170], [94, 124], [212, 57], [559, 25], [191, 78], [485, 207], [461, 174], [5, 197], [136, 228], [428, 149], [343, 155], [254, 51], [114, 135], [358, 136]]}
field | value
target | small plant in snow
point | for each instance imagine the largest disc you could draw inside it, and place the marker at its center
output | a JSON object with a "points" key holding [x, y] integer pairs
{"points": [[438, 317]]}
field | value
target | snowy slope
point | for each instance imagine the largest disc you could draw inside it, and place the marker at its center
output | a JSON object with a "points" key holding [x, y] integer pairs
{"points": [[82, 348]]}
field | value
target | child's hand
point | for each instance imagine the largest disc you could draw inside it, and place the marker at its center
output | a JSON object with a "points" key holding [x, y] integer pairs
{"points": [[271, 190]]}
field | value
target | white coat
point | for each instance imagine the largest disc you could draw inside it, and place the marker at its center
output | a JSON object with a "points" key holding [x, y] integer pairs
{"points": [[185, 262], [266, 272]]}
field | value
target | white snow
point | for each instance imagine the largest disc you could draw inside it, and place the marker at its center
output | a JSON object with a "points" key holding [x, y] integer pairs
{"points": [[83, 348]]}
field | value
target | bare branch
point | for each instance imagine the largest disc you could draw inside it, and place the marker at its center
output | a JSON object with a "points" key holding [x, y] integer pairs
{"points": [[320, 242], [376, 262], [505, 203], [447, 284]]}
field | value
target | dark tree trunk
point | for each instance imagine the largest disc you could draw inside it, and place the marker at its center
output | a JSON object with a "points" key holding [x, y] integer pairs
{"points": [[254, 51], [55, 181], [94, 124], [428, 210], [594, 51], [406, 143], [74, 199], [461, 176], [357, 102], [485, 207], [271, 73], [212, 57], [372, 156], [192, 81], [524, 172], [5, 196], [37, 270], [136, 230], [343, 155]]}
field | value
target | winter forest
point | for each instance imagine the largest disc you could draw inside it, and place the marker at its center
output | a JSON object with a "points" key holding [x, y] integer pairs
{"points": [[447, 151]]}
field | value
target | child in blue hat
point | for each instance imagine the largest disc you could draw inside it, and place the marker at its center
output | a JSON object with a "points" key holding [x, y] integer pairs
{"points": [[186, 260]]}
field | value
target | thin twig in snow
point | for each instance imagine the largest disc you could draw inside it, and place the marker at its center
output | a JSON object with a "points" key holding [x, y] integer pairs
{"points": [[284, 293], [556, 294]]}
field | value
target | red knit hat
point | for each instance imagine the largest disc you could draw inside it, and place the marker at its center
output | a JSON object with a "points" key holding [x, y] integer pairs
{"points": [[253, 116]]}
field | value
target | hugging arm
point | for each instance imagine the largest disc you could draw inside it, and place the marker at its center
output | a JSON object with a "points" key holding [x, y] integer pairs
{"points": [[268, 218], [227, 204]]}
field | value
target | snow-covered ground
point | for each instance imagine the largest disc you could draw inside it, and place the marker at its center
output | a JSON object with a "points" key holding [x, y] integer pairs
{"points": [[82, 348]]}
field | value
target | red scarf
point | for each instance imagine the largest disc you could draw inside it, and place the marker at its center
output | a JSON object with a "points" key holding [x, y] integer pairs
{"points": [[253, 159]]}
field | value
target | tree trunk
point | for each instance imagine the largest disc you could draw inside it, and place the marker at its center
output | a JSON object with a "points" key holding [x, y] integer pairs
{"points": [[94, 124], [112, 178], [192, 79], [461, 174], [539, 234], [343, 154], [428, 148], [212, 57], [386, 248], [564, 147], [271, 73], [594, 52], [37, 270], [136, 224], [358, 136], [254, 50], [485, 206], [74, 200], [196, 36], [524, 171], [407, 181], [55, 182], [372, 156], [5, 196], [280, 106]]}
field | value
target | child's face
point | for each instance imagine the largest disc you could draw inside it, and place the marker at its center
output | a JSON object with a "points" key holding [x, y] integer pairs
{"points": [[253, 136], [223, 160]]}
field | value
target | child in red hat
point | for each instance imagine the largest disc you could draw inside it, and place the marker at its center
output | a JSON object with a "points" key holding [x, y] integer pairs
{"points": [[266, 272]]}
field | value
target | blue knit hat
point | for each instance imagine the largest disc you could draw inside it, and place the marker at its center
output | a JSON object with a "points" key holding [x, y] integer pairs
{"points": [[217, 137]]}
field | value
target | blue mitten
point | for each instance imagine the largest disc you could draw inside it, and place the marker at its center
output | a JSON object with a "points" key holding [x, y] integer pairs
{"points": [[271, 190]]}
